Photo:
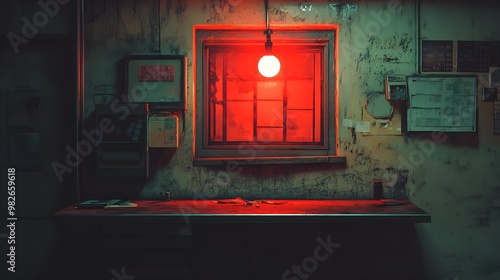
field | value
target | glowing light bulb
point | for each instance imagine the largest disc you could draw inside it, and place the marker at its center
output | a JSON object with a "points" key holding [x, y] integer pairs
{"points": [[269, 66]]}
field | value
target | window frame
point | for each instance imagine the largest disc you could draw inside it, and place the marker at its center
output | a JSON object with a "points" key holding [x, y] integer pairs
{"points": [[253, 152]]}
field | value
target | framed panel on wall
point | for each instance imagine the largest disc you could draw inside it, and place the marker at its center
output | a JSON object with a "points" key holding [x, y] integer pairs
{"points": [[442, 103], [457, 56], [437, 55], [159, 80]]}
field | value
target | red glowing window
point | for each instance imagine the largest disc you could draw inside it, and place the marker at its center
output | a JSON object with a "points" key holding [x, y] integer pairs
{"points": [[241, 113], [244, 106]]}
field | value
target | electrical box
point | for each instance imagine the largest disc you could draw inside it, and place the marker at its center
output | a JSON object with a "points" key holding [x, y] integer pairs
{"points": [[123, 151], [163, 131], [396, 88]]}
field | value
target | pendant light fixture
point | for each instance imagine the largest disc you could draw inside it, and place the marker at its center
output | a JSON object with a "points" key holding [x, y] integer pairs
{"points": [[269, 65]]}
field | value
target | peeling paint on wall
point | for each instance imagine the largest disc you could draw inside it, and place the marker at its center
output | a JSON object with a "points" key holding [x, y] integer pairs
{"points": [[343, 11], [278, 13], [122, 22], [220, 8]]}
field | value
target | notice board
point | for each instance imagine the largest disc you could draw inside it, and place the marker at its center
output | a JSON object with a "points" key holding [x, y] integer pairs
{"points": [[437, 56], [477, 56], [443, 103], [459, 56]]}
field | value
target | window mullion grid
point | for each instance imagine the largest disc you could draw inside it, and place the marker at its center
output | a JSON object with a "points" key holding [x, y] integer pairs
{"points": [[324, 105], [224, 99], [212, 104], [255, 94], [285, 101], [314, 99]]}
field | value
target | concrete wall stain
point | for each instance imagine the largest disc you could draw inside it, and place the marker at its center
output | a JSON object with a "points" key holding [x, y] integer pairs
{"points": [[462, 167], [167, 8], [299, 19], [342, 10], [278, 13], [482, 221], [181, 8], [405, 42], [220, 8]]}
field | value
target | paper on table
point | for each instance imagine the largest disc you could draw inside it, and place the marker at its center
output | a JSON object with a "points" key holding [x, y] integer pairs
{"points": [[122, 205]]}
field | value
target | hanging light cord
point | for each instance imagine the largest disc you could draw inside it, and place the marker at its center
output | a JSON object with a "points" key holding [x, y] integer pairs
{"points": [[268, 32], [266, 4], [269, 65]]}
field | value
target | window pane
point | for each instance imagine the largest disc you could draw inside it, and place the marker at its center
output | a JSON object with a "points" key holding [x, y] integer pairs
{"points": [[215, 90], [239, 90], [317, 98], [241, 65], [239, 122], [269, 135], [300, 65], [300, 94], [299, 126], [216, 87], [217, 124], [270, 90], [270, 113]]}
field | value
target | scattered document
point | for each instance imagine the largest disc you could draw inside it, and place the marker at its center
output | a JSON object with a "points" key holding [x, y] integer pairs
{"points": [[99, 204]]}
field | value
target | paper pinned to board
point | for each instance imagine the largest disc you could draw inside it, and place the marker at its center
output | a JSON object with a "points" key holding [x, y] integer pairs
{"points": [[359, 126], [362, 126], [348, 123]]}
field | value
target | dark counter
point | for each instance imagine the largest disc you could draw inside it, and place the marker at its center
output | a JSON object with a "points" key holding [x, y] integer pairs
{"points": [[270, 211]]}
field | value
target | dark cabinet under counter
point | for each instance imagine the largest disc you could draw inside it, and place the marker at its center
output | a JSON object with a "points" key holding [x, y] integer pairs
{"points": [[262, 239]]}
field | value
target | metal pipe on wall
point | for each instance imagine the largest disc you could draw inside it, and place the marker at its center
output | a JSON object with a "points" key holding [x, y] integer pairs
{"points": [[80, 89], [417, 36]]}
